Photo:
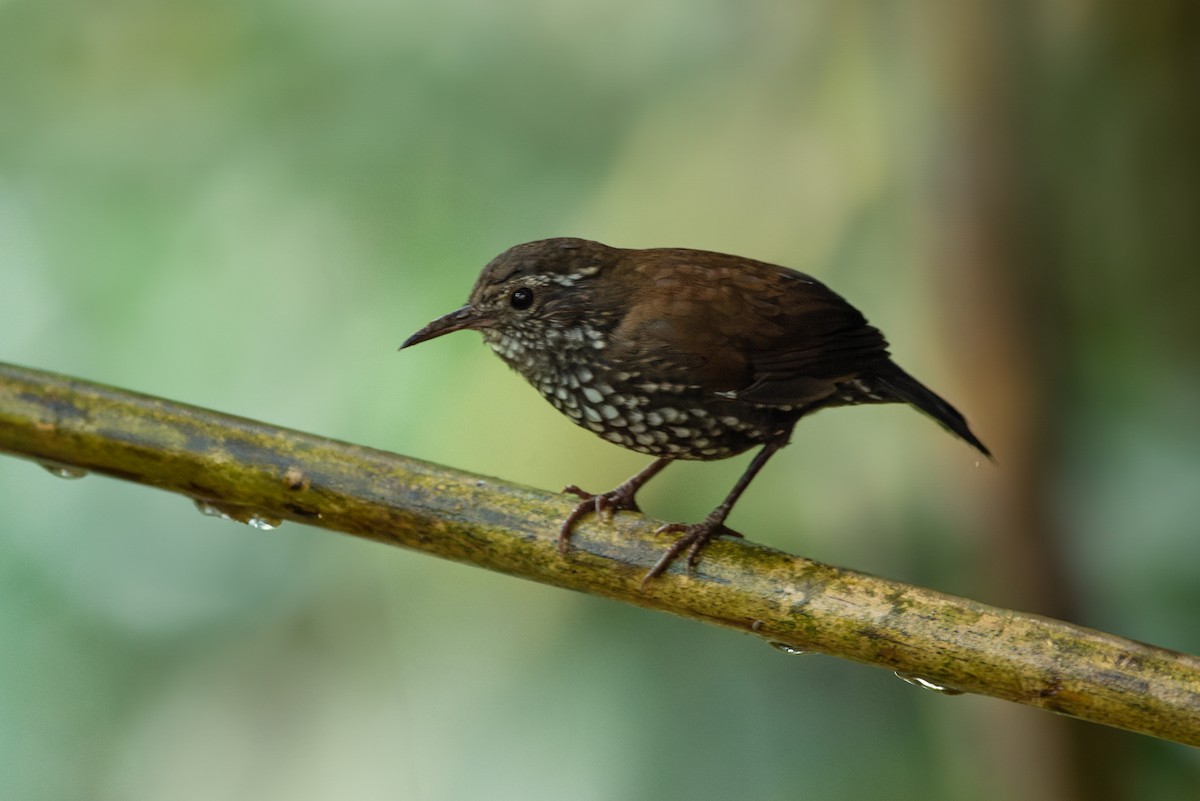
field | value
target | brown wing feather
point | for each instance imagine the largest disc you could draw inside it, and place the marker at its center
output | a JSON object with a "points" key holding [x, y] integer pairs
{"points": [[770, 335]]}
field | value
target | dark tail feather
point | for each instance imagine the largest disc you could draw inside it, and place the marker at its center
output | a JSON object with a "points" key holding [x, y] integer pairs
{"points": [[904, 387]]}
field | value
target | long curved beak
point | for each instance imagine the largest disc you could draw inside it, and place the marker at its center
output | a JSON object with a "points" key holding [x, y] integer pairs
{"points": [[466, 317]]}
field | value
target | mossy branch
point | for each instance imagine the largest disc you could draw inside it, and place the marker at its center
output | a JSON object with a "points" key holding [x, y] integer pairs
{"points": [[252, 470]]}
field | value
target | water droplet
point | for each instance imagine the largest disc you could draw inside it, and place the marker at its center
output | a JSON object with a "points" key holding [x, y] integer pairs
{"points": [[210, 509], [239, 514], [263, 523], [60, 470], [791, 650], [926, 684]]}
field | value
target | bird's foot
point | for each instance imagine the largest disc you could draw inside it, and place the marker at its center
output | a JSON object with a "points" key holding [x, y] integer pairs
{"points": [[695, 537], [605, 504]]}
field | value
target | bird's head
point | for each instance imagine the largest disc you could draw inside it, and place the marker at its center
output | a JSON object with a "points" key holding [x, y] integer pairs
{"points": [[533, 298]]}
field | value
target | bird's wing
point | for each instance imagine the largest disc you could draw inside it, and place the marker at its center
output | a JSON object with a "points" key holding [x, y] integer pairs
{"points": [[759, 332]]}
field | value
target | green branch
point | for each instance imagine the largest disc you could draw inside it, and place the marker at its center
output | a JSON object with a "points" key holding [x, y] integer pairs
{"points": [[258, 473]]}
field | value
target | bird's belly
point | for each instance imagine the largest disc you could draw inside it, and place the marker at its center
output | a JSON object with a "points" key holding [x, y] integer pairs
{"points": [[666, 421]]}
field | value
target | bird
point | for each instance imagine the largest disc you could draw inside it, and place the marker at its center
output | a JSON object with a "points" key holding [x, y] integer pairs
{"points": [[680, 354]]}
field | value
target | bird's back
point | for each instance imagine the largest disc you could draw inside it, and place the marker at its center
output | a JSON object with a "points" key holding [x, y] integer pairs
{"points": [[763, 333]]}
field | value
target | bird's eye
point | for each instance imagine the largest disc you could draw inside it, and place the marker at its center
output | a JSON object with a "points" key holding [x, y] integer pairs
{"points": [[522, 298]]}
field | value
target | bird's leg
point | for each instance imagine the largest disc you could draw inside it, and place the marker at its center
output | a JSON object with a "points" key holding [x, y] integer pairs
{"points": [[697, 535], [620, 499]]}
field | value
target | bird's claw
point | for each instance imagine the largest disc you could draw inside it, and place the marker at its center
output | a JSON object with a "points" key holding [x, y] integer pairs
{"points": [[695, 537], [603, 505]]}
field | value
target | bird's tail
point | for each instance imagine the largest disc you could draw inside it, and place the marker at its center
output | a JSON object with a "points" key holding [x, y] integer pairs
{"points": [[894, 381]]}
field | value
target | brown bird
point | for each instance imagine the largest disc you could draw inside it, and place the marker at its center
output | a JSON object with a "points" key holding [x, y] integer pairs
{"points": [[680, 354]]}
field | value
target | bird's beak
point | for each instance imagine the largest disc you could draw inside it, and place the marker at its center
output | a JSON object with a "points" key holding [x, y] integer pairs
{"points": [[466, 317]]}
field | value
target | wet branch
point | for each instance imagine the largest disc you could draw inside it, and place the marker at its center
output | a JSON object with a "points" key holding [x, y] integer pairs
{"points": [[258, 473]]}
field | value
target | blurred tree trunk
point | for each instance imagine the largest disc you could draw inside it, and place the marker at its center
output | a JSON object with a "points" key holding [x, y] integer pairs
{"points": [[1027, 86]]}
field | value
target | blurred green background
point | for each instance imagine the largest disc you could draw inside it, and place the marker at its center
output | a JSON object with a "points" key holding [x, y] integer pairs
{"points": [[249, 205]]}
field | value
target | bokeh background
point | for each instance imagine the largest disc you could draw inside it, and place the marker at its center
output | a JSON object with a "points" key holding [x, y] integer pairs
{"points": [[249, 205]]}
